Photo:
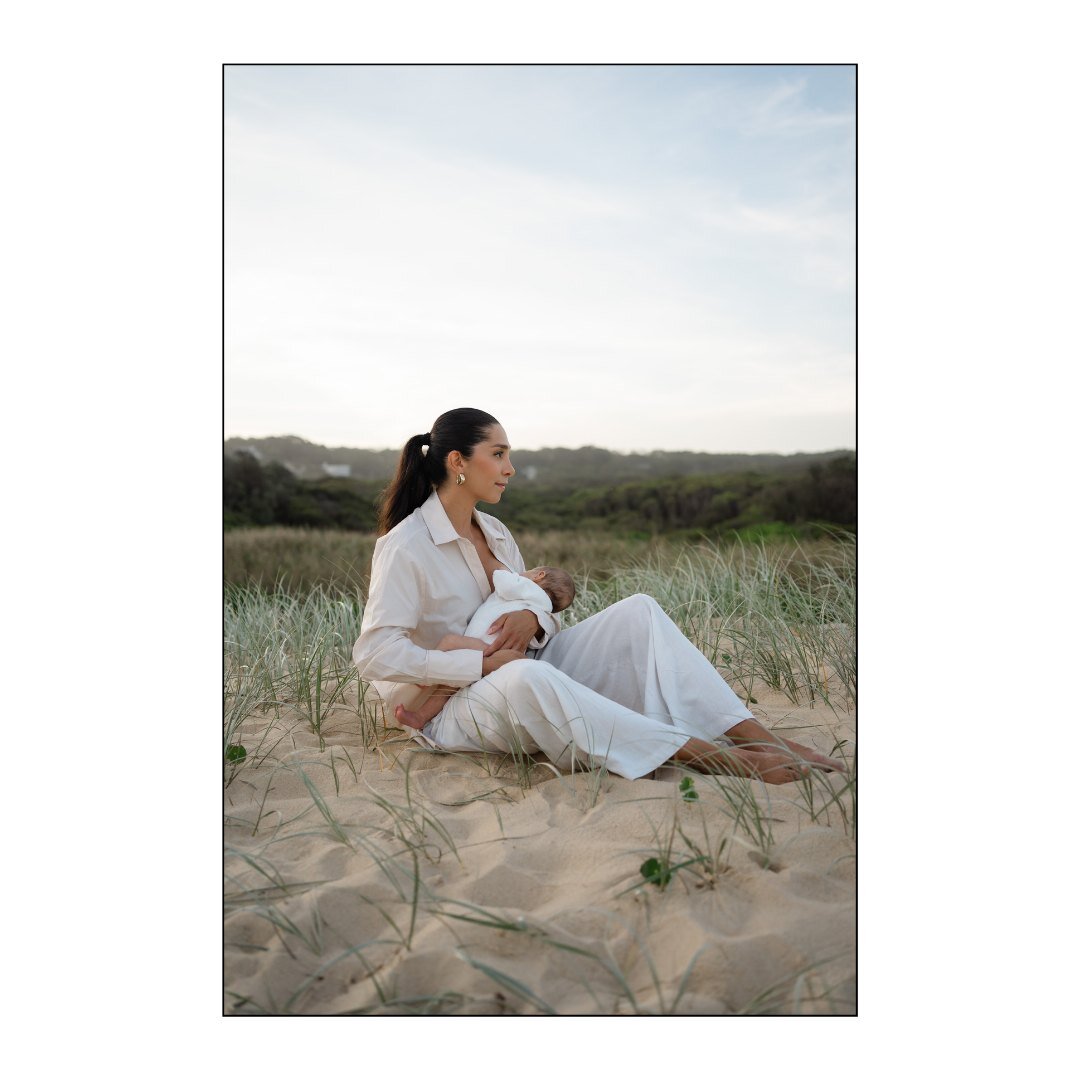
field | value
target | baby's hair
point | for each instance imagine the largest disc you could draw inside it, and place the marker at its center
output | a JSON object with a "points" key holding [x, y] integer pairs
{"points": [[559, 585]]}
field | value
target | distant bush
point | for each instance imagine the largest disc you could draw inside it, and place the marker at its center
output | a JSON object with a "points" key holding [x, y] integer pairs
{"points": [[823, 493], [257, 494]]}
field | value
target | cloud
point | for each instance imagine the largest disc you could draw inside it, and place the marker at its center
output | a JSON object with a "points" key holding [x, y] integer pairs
{"points": [[362, 253]]}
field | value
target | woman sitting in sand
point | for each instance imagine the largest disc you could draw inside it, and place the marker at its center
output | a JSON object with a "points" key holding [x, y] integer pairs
{"points": [[624, 689]]}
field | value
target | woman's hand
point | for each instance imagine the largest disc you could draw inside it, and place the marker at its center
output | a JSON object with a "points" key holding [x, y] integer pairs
{"points": [[513, 631], [496, 660]]}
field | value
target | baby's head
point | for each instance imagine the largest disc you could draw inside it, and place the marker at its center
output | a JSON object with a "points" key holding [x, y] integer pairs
{"points": [[558, 584]]}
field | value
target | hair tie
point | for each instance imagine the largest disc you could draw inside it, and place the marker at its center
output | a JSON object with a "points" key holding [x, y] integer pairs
{"points": [[425, 442]]}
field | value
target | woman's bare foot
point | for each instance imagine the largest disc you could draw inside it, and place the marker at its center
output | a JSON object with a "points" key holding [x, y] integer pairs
{"points": [[750, 734], [774, 767], [810, 755]]}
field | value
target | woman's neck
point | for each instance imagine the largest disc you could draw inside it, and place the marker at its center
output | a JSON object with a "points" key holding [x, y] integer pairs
{"points": [[459, 509]]}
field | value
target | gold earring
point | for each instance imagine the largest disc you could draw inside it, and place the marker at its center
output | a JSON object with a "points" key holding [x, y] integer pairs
{"points": [[460, 479]]}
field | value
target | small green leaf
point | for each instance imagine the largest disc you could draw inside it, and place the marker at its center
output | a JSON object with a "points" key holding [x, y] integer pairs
{"points": [[690, 795], [686, 783], [726, 656], [655, 871], [753, 701], [235, 752]]}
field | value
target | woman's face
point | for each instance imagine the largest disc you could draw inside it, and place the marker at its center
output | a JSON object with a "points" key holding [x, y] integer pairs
{"points": [[488, 470]]}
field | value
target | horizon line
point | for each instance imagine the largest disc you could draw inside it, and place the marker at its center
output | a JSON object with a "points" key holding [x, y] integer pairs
{"points": [[536, 449]]}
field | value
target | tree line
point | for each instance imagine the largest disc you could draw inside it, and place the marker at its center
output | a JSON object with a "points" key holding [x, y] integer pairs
{"points": [[549, 465], [825, 492]]}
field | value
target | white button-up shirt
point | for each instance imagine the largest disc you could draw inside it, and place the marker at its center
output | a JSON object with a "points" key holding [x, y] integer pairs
{"points": [[427, 581]]}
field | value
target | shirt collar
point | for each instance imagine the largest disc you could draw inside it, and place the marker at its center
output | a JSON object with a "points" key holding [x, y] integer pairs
{"points": [[442, 532], [495, 539]]}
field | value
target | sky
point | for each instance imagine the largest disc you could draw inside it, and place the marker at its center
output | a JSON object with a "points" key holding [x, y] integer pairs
{"points": [[633, 257]]}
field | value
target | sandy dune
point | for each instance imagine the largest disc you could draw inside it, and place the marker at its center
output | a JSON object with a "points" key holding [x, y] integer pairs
{"points": [[395, 880]]}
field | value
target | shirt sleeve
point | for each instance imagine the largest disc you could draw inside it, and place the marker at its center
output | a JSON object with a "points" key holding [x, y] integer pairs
{"points": [[385, 650]]}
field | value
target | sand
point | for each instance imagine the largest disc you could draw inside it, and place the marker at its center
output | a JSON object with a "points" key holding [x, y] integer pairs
{"points": [[390, 879]]}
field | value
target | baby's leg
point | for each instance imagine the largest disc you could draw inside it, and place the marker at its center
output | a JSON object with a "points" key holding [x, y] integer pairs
{"points": [[427, 710], [460, 641]]}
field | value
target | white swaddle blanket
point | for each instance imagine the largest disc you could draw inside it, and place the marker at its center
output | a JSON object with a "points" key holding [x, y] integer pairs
{"points": [[512, 592]]}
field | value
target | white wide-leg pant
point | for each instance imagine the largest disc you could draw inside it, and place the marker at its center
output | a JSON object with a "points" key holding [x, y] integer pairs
{"points": [[623, 689]]}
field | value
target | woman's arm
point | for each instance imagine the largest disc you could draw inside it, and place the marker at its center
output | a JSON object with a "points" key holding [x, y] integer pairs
{"points": [[385, 649]]}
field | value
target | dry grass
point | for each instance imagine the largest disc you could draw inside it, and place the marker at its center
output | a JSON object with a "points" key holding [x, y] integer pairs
{"points": [[303, 558], [298, 558]]}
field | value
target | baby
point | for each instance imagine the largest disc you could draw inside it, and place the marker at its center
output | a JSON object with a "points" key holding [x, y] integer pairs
{"points": [[545, 588]]}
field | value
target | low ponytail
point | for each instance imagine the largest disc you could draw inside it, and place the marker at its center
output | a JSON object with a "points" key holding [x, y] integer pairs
{"points": [[410, 487], [419, 473]]}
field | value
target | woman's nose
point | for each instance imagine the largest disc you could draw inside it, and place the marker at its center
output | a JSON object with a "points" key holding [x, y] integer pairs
{"points": [[510, 470]]}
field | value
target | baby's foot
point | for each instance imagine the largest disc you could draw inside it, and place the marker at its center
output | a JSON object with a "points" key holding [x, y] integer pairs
{"points": [[409, 719]]}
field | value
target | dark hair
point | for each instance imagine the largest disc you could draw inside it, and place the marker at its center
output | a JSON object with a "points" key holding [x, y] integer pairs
{"points": [[559, 585], [418, 474]]}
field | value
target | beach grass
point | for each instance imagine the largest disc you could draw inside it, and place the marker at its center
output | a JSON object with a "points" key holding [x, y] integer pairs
{"points": [[368, 875]]}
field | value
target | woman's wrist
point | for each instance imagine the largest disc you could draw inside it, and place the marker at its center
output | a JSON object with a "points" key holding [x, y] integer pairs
{"points": [[534, 631]]}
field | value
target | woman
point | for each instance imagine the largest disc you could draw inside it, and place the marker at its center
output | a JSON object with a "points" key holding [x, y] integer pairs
{"points": [[624, 689]]}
